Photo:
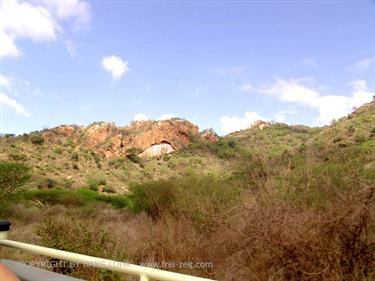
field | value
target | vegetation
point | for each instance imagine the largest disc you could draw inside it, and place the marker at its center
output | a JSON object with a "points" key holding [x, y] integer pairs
{"points": [[13, 175], [282, 203], [36, 138]]}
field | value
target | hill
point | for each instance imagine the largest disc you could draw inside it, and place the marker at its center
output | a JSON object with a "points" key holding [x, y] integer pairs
{"points": [[271, 202]]}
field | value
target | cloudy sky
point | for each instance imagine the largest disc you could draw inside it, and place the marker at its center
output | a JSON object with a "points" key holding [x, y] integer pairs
{"points": [[220, 64]]}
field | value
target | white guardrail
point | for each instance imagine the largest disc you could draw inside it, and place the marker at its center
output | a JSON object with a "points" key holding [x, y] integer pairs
{"points": [[145, 273]]}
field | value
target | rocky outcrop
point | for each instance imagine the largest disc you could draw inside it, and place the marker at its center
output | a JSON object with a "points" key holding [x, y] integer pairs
{"points": [[260, 124], [60, 132], [152, 138], [99, 133], [210, 135], [157, 150], [176, 132]]}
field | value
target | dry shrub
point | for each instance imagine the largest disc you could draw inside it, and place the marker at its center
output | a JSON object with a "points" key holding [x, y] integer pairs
{"points": [[274, 240], [166, 241]]}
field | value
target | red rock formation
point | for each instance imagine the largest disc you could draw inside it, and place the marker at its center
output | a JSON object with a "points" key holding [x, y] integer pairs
{"points": [[112, 141], [63, 131], [143, 134], [210, 135], [260, 124]]}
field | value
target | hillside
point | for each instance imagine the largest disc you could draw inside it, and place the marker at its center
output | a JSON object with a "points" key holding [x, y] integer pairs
{"points": [[273, 202]]}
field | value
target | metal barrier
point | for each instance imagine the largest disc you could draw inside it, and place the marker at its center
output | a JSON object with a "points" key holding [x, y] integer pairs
{"points": [[145, 273]]}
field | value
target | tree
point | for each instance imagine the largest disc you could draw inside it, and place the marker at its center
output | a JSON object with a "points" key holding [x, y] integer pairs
{"points": [[13, 175]]}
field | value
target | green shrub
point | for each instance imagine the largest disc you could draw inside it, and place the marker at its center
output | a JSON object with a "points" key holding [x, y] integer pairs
{"points": [[195, 197], [132, 154], [51, 183], [70, 235], [58, 150], [13, 175], [93, 184], [224, 149], [154, 198], [36, 138]]}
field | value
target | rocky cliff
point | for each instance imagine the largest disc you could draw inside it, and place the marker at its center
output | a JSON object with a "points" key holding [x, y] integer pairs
{"points": [[150, 138]]}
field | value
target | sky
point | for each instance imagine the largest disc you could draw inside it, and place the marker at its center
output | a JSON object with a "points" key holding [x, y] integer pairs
{"points": [[219, 64]]}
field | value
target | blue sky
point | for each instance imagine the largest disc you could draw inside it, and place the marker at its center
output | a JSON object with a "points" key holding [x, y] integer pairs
{"points": [[220, 64]]}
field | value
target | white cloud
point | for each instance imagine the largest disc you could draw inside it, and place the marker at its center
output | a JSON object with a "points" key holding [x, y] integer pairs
{"points": [[37, 20], [167, 116], [5, 81], [77, 11], [116, 66], [145, 117], [310, 62], [364, 64], [246, 87], [23, 20], [4, 99], [292, 91], [234, 123], [329, 106], [141, 117]]}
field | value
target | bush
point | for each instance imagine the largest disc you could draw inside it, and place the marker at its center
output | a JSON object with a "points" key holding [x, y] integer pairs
{"points": [[36, 138], [93, 184], [154, 198], [132, 154], [47, 183], [71, 235], [197, 198], [13, 175], [224, 149]]}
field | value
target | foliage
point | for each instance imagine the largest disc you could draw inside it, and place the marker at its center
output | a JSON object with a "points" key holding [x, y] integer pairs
{"points": [[13, 175], [71, 235], [77, 198], [36, 138], [198, 198], [132, 154]]}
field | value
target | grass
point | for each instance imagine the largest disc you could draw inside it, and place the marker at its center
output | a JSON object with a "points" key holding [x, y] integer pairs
{"points": [[69, 198]]}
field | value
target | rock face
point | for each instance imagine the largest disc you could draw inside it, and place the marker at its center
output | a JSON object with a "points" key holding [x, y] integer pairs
{"points": [[98, 133], [60, 132], [157, 150], [210, 135], [176, 132], [260, 124], [153, 138]]}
